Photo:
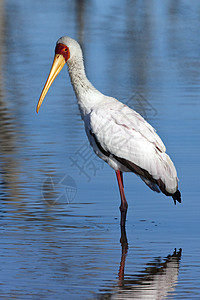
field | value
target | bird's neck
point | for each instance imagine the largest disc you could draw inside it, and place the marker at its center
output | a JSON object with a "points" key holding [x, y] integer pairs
{"points": [[87, 95]]}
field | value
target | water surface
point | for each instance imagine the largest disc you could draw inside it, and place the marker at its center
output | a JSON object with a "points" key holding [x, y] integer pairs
{"points": [[60, 234]]}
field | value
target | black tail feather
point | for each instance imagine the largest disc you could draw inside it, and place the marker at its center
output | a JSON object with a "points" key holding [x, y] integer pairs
{"points": [[177, 196]]}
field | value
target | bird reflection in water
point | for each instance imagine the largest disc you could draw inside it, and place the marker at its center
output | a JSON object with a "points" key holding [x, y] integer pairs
{"points": [[156, 281]]}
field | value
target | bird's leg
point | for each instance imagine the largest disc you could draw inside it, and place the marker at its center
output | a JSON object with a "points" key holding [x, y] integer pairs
{"points": [[124, 204]]}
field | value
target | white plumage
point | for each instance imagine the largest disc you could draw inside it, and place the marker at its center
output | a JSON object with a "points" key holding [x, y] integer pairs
{"points": [[125, 134], [118, 135]]}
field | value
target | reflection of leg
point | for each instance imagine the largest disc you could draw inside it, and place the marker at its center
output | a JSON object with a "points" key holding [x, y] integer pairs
{"points": [[124, 204], [124, 244], [123, 239]]}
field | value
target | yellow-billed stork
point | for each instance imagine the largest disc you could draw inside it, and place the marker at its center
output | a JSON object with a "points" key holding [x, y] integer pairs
{"points": [[118, 134]]}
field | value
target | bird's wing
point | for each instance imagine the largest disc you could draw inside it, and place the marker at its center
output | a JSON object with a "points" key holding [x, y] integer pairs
{"points": [[125, 134], [117, 125], [134, 121]]}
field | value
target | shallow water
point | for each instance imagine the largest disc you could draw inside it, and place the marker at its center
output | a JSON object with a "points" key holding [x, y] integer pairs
{"points": [[60, 233]]}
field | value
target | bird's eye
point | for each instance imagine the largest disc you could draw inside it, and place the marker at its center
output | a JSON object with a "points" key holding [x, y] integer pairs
{"points": [[65, 49]]}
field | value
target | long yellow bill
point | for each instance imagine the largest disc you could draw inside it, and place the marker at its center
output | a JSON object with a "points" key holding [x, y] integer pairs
{"points": [[58, 64]]}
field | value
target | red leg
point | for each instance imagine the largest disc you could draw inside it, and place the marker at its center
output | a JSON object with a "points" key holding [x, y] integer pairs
{"points": [[124, 204]]}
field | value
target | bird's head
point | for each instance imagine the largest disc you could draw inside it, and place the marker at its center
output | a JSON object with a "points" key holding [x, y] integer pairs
{"points": [[66, 49]]}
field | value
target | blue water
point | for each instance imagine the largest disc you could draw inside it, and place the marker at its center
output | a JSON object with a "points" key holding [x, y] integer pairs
{"points": [[60, 233]]}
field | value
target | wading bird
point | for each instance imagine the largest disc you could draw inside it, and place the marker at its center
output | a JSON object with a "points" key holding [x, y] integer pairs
{"points": [[118, 134]]}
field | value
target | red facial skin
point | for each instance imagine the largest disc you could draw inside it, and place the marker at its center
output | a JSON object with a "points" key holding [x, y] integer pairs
{"points": [[63, 50]]}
